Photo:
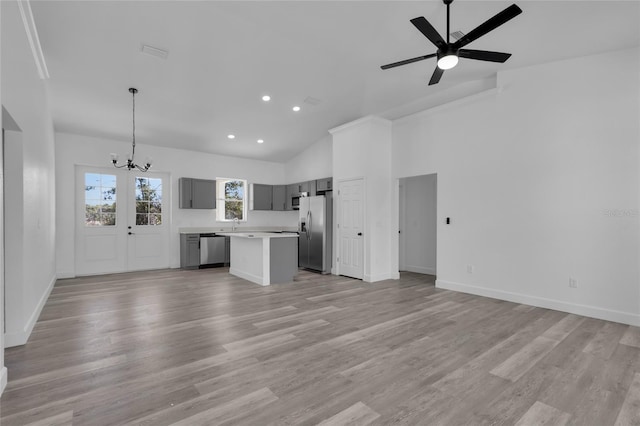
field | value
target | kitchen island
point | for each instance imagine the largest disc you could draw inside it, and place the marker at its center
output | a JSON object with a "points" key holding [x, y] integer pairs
{"points": [[263, 258]]}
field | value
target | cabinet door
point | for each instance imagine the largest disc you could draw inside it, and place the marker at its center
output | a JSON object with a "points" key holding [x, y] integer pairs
{"points": [[311, 188], [184, 193], [278, 202], [292, 190], [324, 184], [303, 187], [189, 250], [262, 196], [203, 194]]}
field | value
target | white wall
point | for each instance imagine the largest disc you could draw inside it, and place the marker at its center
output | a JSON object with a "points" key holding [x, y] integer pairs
{"points": [[362, 149], [25, 97], [3, 369], [540, 179], [418, 198], [315, 162], [74, 150]]}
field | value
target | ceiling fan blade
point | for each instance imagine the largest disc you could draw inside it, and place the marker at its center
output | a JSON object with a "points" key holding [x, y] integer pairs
{"points": [[429, 32], [407, 61], [489, 25], [435, 77], [483, 55]]}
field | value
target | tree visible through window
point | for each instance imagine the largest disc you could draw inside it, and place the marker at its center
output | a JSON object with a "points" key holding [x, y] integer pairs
{"points": [[148, 201], [231, 200], [99, 199]]}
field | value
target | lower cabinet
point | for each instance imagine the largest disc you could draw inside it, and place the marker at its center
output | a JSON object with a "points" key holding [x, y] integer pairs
{"points": [[189, 251]]}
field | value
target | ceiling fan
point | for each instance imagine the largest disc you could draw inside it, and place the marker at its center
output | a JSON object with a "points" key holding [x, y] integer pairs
{"points": [[448, 53]]}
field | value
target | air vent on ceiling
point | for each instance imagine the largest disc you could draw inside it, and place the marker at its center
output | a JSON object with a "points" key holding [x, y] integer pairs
{"points": [[312, 101], [457, 35], [154, 51]]}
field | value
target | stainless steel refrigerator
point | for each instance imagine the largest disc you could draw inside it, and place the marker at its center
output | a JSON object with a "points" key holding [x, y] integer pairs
{"points": [[316, 229]]}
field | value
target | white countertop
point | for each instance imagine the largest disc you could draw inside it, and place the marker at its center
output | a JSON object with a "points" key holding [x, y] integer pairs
{"points": [[257, 235], [239, 230]]}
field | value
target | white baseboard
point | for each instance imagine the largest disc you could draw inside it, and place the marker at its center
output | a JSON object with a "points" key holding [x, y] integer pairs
{"points": [[20, 338], [429, 270], [381, 277], [3, 379], [61, 275], [246, 276], [557, 305]]}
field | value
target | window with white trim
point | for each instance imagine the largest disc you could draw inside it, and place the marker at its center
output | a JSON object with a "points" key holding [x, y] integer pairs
{"points": [[231, 200]]}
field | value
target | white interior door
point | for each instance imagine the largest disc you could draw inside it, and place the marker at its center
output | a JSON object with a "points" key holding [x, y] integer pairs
{"points": [[122, 221], [350, 228]]}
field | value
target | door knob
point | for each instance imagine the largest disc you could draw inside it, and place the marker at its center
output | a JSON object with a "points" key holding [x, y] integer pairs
{"points": [[359, 234]]}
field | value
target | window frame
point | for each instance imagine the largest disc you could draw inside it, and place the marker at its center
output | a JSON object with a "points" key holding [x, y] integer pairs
{"points": [[102, 200], [221, 199]]}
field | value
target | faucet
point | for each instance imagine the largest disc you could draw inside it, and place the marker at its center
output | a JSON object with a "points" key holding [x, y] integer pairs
{"points": [[235, 224]]}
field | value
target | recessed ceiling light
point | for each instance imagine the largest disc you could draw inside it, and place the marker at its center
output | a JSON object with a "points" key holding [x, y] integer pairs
{"points": [[231, 136], [266, 98], [296, 108], [260, 141]]}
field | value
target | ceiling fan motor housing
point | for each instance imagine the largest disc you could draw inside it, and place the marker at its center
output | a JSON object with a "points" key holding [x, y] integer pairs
{"points": [[449, 50]]}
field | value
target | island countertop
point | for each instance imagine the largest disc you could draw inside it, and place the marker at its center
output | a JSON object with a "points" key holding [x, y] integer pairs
{"points": [[258, 234]]}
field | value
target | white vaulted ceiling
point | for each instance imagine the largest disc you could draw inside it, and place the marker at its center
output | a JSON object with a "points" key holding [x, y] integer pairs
{"points": [[223, 56]]}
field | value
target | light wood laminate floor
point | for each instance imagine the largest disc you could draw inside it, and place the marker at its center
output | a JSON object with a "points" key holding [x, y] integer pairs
{"points": [[203, 347]]}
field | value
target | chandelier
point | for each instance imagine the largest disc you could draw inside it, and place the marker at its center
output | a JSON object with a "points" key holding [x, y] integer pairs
{"points": [[130, 164]]}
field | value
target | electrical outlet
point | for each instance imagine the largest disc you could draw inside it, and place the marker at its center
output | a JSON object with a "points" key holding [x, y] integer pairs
{"points": [[573, 283], [470, 269]]}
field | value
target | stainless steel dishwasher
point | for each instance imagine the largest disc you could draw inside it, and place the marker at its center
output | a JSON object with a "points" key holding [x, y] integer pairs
{"points": [[212, 250]]}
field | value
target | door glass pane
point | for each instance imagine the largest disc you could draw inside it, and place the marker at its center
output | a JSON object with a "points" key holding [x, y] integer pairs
{"points": [[99, 199], [148, 201]]}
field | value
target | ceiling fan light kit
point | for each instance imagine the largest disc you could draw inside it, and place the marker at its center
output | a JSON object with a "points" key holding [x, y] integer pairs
{"points": [[448, 53], [130, 164], [447, 60]]}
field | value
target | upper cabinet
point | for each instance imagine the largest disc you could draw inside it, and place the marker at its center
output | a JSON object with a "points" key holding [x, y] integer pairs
{"points": [[196, 193], [261, 197], [279, 199], [291, 191], [325, 184]]}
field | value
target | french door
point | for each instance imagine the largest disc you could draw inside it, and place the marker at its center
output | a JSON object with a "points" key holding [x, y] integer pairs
{"points": [[122, 220]]}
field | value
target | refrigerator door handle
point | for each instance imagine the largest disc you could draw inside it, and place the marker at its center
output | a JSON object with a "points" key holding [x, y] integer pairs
{"points": [[310, 224]]}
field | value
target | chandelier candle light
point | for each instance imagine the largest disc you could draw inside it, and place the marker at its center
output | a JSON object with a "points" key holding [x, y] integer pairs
{"points": [[130, 163]]}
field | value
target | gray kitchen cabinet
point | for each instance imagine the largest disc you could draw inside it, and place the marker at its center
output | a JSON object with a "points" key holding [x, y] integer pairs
{"points": [[279, 199], [291, 191], [196, 193], [184, 193], [325, 184], [189, 251], [311, 188], [261, 196], [308, 187]]}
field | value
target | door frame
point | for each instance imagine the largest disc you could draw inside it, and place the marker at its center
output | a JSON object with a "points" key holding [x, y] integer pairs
{"points": [[126, 180], [337, 231]]}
